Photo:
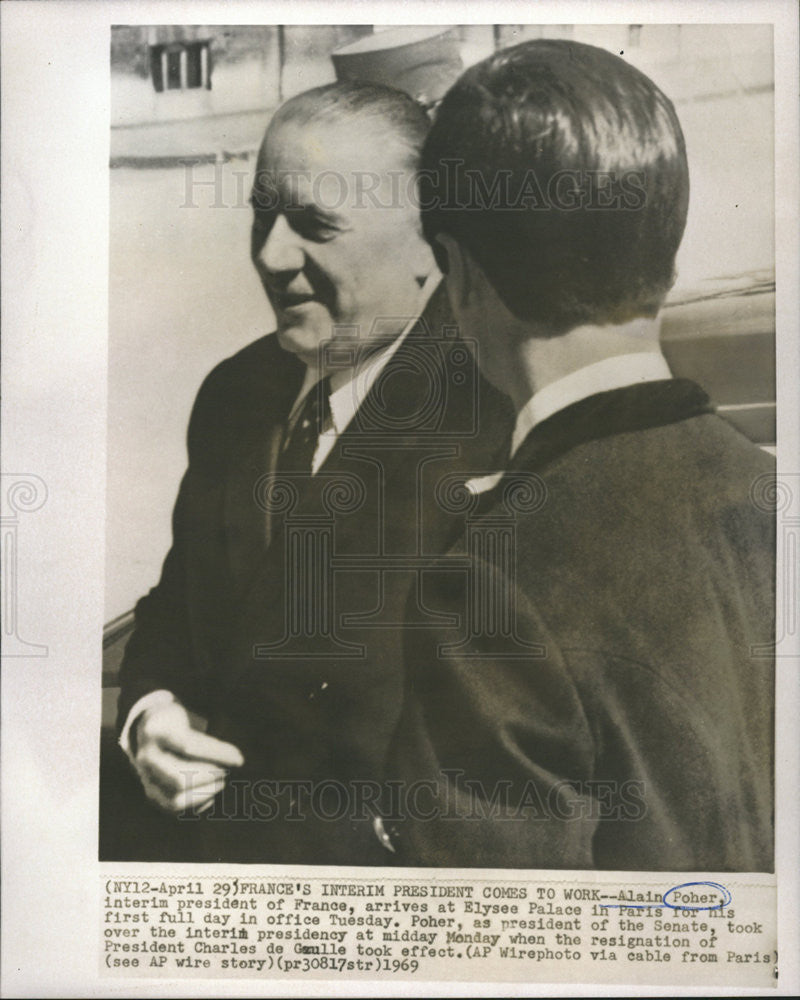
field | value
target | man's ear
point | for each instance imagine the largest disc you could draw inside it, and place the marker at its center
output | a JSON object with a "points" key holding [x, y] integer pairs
{"points": [[458, 269]]}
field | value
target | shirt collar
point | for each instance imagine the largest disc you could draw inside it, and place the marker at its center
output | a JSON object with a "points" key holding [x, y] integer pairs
{"points": [[350, 386], [601, 376]]}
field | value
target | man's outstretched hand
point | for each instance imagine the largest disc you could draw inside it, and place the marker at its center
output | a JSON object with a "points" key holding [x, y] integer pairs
{"points": [[179, 766]]}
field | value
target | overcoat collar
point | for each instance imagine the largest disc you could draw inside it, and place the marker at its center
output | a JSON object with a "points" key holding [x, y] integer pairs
{"points": [[605, 414]]}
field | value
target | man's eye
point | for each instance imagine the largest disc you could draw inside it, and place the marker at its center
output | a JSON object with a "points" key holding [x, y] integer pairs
{"points": [[306, 223], [311, 226]]}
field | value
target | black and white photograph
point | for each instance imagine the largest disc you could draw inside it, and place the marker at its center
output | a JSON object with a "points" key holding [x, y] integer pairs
{"points": [[422, 610], [473, 558]]}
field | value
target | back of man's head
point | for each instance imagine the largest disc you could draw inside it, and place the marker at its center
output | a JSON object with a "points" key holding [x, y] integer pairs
{"points": [[562, 170]]}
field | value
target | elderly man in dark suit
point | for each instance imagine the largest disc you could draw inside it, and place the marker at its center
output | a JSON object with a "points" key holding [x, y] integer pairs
{"points": [[308, 509], [607, 701]]}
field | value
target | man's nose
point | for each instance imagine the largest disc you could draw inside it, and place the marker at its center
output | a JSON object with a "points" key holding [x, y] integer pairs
{"points": [[281, 250]]}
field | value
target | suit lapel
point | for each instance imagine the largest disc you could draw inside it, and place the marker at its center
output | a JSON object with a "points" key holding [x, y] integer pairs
{"points": [[257, 559], [254, 456]]}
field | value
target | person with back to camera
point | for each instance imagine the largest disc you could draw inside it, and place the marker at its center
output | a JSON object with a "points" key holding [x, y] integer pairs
{"points": [[617, 710]]}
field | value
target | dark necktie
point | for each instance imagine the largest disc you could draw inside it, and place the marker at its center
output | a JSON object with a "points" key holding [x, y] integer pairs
{"points": [[298, 449]]}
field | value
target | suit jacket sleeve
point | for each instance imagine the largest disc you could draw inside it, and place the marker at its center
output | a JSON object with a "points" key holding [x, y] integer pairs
{"points": [[493, 751], [159, 652]]}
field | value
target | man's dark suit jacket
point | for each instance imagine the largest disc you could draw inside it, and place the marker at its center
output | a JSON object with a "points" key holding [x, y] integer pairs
{"points": [[638, 735], [226, 630]]}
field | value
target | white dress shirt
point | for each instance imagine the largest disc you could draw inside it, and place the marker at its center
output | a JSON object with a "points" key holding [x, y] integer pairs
{"points": [[349, 388]]}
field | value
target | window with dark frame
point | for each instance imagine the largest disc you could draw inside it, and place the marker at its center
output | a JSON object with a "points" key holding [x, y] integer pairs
{"points": [[181, 66]]}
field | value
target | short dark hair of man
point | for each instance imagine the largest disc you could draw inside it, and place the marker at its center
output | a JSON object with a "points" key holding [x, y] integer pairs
{"points": [[562, 169]]}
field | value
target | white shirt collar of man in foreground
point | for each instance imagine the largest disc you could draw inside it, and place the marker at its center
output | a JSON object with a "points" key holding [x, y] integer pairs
{"points": [[600, 376]]}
